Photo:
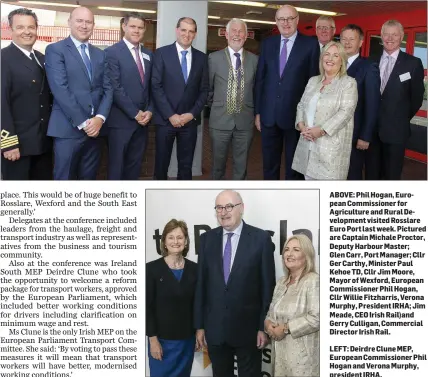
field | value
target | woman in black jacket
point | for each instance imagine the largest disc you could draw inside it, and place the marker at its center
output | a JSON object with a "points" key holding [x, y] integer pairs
{"points": [[170, 285]]}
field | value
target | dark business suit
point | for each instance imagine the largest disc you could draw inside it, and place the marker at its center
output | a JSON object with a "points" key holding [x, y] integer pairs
{"points": [[277, 98], [127, 139], [25, 111], [400, 101], [173, 96], [232, 314], [77, 98], [366, 73]]}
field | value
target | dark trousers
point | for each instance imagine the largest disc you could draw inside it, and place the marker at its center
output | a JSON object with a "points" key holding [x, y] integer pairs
{"points": [[126, 149], [273, 141], [28, 168], [186, 143], [249, 360], [384, 160], [77, 158], [356, 163]]}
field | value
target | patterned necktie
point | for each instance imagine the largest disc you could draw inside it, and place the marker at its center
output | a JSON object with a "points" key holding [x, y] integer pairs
{"points": [[238, 68], [283, 57], [386, 72], [139, 64], [33, 59], [227, 257], [184, 65], [86, 61]]}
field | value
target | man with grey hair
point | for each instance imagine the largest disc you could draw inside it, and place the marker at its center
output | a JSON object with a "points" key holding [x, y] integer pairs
{"points": [[402, 91], [232, 72], [325, 28], [236, 278], [26, 151]]}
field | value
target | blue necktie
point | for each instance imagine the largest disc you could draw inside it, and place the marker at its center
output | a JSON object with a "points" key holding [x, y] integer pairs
{"points": [[283, 57], [86, 61], [184, 65], [227, 257], [238, 68]]}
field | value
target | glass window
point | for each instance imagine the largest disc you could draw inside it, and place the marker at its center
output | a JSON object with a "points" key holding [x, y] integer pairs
{"points": [[420, 49]]}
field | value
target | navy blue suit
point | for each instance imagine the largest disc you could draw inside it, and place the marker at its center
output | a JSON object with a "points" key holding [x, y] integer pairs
{"points": [[277, 98], [76, 99], [173, 96], [401, 99], [231, 314], [367, 75], [127, 139]]}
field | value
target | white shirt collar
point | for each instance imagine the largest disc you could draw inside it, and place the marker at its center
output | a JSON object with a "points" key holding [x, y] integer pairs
{"points": [[393, 55], [78, 43], [130, 45], [237, 231], [179, 49], [290, 39], [232, 51], [352, 59], [26, 52]]}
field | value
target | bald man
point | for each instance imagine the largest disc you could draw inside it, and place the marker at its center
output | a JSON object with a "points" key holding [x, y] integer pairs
{"points": [[82, 99], [286, 63], [236, 278]]}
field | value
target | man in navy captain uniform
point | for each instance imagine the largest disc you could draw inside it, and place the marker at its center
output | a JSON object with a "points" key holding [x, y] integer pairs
{"points": [[26, 151]]}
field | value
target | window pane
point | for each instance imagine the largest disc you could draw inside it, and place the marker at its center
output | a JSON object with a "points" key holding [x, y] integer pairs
{"points": [[421, 47]]}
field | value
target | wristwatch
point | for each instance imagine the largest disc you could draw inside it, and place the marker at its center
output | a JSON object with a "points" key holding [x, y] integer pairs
{"points": [[287, 331]]}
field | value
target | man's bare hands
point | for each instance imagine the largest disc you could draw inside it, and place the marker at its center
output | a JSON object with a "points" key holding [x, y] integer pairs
{"points": [[93, 126], [12, 155]]}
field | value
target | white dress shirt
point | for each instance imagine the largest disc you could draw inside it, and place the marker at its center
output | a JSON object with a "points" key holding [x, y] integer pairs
{"points": [[234, 241], [27, 53], [79, 49], [352, 59], [384, 61], [188, 56], [233, 58], [290, 44], [131, 48]]}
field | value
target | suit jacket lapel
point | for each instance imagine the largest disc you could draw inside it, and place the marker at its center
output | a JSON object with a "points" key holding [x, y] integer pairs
{"points": [[147, 67], [21, 57], [244, 246], [218, 253], [394, 71], [292, 56], [78, 57], [195, 61], [353, 68], [276, 52], [129, 59]]}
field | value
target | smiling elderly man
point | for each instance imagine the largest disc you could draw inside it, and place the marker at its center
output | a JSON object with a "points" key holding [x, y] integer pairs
{"points": [[236, 278], [232, 72]]}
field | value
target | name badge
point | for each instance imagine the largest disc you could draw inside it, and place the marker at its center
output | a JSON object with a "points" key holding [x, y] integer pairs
{"points": [[145, 56], [405, 76]]}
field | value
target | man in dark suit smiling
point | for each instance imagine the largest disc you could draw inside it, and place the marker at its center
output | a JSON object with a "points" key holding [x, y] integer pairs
{"points": [[180, 91], [130, 67], [236, 278], [286, 63]]}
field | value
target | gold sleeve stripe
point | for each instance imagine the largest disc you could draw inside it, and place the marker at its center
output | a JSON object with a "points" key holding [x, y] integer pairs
{"points": [[9, 141]]}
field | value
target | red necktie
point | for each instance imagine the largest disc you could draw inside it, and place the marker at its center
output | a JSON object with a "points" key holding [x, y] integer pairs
{"points": [[139, 64]]}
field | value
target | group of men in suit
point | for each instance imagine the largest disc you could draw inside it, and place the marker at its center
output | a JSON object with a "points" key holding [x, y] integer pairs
{"points": [[127, 86]]}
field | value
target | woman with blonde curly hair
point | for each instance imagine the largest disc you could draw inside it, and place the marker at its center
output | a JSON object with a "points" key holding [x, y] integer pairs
{"points": [[293, 318]]}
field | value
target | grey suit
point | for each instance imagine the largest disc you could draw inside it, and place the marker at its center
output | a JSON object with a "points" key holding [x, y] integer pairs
{"points": [[224, 127]]}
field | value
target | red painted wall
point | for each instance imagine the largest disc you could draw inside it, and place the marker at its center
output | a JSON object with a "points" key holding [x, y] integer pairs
{"points": [[375, 21]]}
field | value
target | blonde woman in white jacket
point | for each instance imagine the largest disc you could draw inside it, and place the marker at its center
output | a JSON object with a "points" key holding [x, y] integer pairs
{"points": [[325, 119]]}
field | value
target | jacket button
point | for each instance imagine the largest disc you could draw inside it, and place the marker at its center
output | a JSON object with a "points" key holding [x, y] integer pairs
{"points": [[41, 105]]}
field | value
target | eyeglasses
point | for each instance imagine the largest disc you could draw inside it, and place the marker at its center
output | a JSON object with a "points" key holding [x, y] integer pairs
{"points": [[346, 40], [325, 28], [228, 207], [287, 20]]}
